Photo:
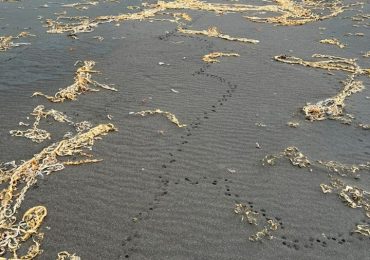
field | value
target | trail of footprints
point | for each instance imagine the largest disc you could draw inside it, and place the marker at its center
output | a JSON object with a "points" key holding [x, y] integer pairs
{"points": [[130, 243]]}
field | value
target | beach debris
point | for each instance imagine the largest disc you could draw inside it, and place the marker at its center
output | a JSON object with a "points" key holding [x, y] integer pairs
{"points": [[258, 145], [169, 115], [64, 255], [38, 135], [214, 32], [19, 179], [260, 124], [327, 62], [367, 54], [212, 57], [253, 218], [99, 38], [174, 90], [333, 108], [293, 124], [297, 158], [272, 225], [81, 5], [6, 42], [293, 154], [83, 24], [231, 170], [246, 213], [83, 82], [364, 126], [345, 169], [352, 196], [161, 63], [333, 41], [363, 230], [291, 13], [302, 12]]}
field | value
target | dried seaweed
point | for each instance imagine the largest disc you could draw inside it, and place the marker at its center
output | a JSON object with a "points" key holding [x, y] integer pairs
{"points": [[212, 57], [333, 108], [293, 124], [352, 196], [296, 157], [327, 62], [169, 115], [345, 169], [253, 218], [247, 213], [6, 42], [64, 255], [333, 41], [363, 230], [83, 83], [214, 32], [272, 225], [38, 135], [291, 13], [299, 13], [19, 179], [81, 5]]}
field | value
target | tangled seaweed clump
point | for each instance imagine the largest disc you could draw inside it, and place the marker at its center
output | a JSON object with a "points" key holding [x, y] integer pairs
{"points": [[327, 62], [363, 230], [291, 13], [168, 115], [295, 156], [38, 135], [333, 41], [252, 217], [6, 42], [299, 13], [352, 196], [214, 32], [82, 84], [212, 57], [64, 255], [332, 108], [18, 179]]}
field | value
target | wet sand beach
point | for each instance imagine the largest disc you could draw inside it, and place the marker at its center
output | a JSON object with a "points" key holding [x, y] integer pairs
{"points": [[168, 192]]}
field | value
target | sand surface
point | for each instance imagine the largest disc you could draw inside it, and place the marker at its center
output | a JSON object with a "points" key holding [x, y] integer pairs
{"points": [[164, 192]]}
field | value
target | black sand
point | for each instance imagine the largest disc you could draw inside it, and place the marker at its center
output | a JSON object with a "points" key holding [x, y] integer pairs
{"points": [[164, 192]]}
